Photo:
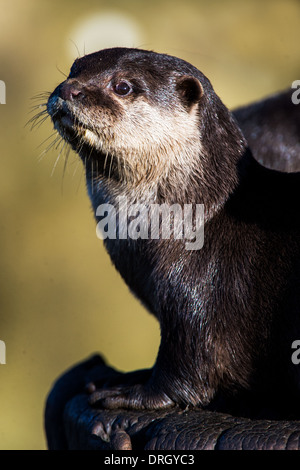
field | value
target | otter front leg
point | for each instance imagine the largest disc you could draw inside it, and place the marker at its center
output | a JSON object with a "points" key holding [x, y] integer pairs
{"points": [[136, 397], [130, 395], [170, 383]]}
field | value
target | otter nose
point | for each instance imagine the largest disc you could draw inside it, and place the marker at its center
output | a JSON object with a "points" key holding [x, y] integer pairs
{"points": [[71, 91]]}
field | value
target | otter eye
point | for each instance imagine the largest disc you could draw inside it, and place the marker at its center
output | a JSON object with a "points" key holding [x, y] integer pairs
{"points": [[122, 88]]}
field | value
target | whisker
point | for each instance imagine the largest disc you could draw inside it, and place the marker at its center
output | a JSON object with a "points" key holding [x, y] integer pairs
{"points": [[110, 166], [61, 141], [105, 161], [76, 47], [58, 157], [47, 138], [79, 147], [40, 122], [58, 139], [60, 71], [42, 94], [76, 167], [55, 164], [37, 119], [97, 172], [119, 166], [92, 176], [80, 179], [38, 106], [65, 166]]}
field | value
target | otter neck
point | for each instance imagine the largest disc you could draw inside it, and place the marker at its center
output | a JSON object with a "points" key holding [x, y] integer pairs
{"points": [[178, 185]]}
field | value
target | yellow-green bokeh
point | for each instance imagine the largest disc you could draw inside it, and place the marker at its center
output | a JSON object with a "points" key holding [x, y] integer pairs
{"points": [[61, 299]]}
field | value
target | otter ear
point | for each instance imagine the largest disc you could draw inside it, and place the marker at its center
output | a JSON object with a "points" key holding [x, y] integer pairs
{"points": [[190, 90]]}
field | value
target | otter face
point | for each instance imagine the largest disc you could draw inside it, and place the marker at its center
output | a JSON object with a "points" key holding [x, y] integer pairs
{"points": [[136, 107]]}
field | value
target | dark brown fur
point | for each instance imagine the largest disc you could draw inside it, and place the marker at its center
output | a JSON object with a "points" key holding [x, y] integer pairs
{"points": [[272, 129], [228, 312]]}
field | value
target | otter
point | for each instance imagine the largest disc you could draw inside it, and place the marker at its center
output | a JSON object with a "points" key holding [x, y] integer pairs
{"points": [[149, 127]]}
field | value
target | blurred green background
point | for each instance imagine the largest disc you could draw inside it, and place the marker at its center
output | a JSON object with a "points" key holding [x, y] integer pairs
{"points": [[61, 299]]}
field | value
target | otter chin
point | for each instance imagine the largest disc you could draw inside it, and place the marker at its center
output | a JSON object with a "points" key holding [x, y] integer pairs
{"points": [[149, 127]]}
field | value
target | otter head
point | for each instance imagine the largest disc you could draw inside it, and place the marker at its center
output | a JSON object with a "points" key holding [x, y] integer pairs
{"points": [[138, 117]]}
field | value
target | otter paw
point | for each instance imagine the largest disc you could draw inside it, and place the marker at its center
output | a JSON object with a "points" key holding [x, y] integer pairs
{"points": [[137, 397]]}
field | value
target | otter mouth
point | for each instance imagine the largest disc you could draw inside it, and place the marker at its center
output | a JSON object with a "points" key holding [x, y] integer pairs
{"points": [[63, 118], [82, 139], [67, 121], [70, 127]]}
